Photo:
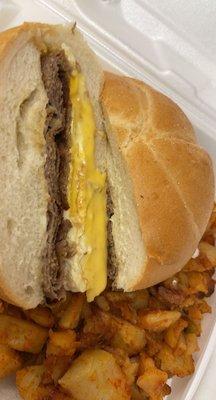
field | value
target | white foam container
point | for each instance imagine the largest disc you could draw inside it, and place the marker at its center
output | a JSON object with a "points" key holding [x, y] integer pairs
{"points": [[171, 45]]}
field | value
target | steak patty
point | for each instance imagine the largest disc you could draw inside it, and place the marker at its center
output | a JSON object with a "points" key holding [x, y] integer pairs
{"points": [[111, 259], [55, 75]]}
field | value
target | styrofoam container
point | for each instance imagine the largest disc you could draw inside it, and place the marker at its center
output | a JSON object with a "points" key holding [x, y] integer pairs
{"points": [[171, 45]]}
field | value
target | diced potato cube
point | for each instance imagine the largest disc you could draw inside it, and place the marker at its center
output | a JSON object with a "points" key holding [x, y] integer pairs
{"points": [[145, 363], [154, 343], [152, 382], [61, 343], [71, 315], [166, 390], [102, 303], [194, 312], [192, 343], [204, 307], [159, 320], [95, 375], [22, 335], [55, 368], [41, 315], [127, 312], [115, 297], [194, 327], [182, 365], [29, 385], [128, 365], [28, 381], [198, 282], [58, 307], [137, 393], [139, 299], [172, 334], [125, 335], [194, 265], [209, 251], [57, 395], [10, 361], [130, 370], [128, 337], [181, 346]]}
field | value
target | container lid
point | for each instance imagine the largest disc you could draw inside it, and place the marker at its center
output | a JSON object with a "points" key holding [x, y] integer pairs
{"points": [[169, 44]]}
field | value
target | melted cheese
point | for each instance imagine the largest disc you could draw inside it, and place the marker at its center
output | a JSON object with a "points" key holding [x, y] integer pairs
{"points": [[87, 192]]}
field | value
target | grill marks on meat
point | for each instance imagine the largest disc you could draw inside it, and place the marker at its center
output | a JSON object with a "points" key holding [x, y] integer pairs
{"points": [[55, 75]]}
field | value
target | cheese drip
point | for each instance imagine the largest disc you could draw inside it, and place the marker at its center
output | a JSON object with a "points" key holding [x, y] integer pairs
{"points": [[87, 191]]}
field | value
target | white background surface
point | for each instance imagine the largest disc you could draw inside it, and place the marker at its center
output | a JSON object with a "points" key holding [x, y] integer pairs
{"points": [[207, 387]]}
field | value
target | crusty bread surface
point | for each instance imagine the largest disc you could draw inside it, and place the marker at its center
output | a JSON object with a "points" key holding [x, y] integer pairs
{"points": [[161, 183]]}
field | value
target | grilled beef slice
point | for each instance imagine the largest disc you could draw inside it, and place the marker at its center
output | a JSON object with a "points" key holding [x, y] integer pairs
{"points": [[111, 255], [55, 75]]}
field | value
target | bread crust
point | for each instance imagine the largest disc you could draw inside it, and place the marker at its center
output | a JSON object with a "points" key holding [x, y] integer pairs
{"points": [[171, 175]]}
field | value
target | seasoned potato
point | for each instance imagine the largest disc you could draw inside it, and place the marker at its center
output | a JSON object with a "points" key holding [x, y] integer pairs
{"points": [[130, 369], [194, 265], [194, 327], [192, 343], [10, 361], [198, 282], [72, 313], [152, 382], [166, 390], [157, 321], [126, 311], [137, 393], [154, 343], [29, 385], [146, 336], [173, 333], [58, 307], [102, 303], [209, 251], [95, 375], [61, 343], [28, 381], [115, 297], [55, 368], [151, 379], [128, 337], [41, 315], [145, 363], [128, 365], [203, 306], [22, 335], [181, 365], [194, 312], [139, 299], [181, 346]]}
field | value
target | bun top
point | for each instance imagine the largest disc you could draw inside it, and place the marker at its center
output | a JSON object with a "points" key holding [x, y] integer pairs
{"points": [[171, 176]]}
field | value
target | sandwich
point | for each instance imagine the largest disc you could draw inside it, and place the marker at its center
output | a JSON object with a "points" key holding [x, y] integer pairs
{"points": [[102, 179], [53, 197]]}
